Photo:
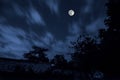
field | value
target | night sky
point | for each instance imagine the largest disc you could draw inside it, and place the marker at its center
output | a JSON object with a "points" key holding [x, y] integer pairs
{"points": [[46, 23]]}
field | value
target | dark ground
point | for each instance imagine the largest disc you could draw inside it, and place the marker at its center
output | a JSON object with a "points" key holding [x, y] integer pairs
{"points": [[31, 76]]}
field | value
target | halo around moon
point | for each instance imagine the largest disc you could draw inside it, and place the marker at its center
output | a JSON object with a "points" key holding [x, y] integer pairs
{"points": [[71, 12]]}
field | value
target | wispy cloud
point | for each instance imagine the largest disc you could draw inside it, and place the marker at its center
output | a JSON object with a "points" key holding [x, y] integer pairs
{"points": [[11, 43], [74, 29], [34, 17], [18, 10], [62, 47], [53, 5], [96, 25], [16, 41], [30, 14], [47, 39], [88, 6], [59, 48]]}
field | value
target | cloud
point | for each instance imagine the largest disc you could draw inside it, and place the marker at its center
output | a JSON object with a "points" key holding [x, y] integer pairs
{"points": [[47, 39], [11, 43], [34, 17], [95, 26], [59, 48], [53, 5], [74, 32], [18, 10], [27, 12], [15, 41], [74, 29], [88, 6]]}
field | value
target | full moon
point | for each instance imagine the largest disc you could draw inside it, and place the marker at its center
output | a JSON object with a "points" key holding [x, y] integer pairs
{"points": [[71, 12]]}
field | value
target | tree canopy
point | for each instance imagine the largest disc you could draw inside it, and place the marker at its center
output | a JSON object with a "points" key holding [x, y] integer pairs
{"points": [[37, 54]]}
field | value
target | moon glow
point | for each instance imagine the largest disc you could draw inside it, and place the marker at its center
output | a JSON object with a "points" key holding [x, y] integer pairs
{"points": [[71, 12]]}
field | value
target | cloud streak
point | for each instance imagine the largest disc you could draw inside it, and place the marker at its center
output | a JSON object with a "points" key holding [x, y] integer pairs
{"points": [[34, 17], [16, 41], [53, 5]]}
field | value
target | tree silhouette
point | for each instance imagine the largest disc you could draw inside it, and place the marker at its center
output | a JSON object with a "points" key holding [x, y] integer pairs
{"points": [[104, 56], [59, 61], [37, 55], [86, 54], [110, 44]]}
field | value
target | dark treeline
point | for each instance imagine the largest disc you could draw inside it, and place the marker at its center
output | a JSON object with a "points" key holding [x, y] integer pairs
{"points": [[90, 61]]}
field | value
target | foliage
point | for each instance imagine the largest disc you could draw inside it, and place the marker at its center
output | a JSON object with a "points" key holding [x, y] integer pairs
{"points": [[59, 61], [37, 55], [110, 44], [87, 53]]}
